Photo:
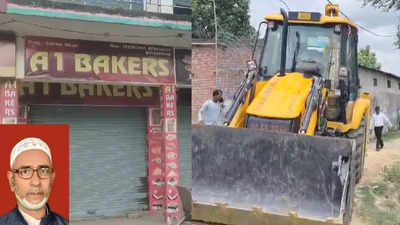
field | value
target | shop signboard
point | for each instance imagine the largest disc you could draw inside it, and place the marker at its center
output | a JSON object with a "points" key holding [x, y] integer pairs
{"points": [[54, 59]]}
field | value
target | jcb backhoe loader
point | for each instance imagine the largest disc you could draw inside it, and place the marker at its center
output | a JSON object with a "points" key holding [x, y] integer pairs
{"points": [[293, 146]]}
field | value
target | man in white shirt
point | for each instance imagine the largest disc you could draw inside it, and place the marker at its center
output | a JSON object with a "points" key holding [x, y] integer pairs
{"points": [[210, 111], [378, 121]]}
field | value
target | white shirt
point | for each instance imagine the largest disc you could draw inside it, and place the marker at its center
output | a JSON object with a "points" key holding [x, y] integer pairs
{"points": [[212, 112], [378, 120], [30, 220]]}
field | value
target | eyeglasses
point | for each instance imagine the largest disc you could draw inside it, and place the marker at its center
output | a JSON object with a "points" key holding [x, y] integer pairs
{"points": [[43, 172]]}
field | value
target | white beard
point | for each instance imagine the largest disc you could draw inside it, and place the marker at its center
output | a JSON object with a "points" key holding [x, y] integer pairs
{"points": [[26, 204]]}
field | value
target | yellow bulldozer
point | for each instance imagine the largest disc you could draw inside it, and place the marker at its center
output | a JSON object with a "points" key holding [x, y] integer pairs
{"points": [[294, 141]]}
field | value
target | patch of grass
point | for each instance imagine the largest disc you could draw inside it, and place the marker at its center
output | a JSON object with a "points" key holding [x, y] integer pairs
{"points": [[375, 216], [390, 217], [383, 193], [392, 135], [392, 174], [367, 202], [379, 189]]}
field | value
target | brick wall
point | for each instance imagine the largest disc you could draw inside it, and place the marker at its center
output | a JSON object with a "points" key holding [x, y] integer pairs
{"points": [[203, 76], [231, 68]]}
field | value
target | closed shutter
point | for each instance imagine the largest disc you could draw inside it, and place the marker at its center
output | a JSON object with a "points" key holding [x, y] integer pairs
{"points": [[108, 157], [185, 137]]}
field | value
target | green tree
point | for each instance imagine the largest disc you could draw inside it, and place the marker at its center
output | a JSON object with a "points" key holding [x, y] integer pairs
{"points": [[368, 59], [232, 19], [387, 5]]}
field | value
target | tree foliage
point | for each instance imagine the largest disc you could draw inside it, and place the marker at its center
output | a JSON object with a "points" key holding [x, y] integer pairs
{"points": [[232, 19], [384, 4], [387, 5], [368, 58]]}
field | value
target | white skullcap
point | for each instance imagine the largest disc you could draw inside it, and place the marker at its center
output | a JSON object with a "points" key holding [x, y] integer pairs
{"points": [[26, 144]]}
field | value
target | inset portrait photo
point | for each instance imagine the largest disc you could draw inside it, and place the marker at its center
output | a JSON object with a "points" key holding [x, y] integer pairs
{"points": [[34, 174]]}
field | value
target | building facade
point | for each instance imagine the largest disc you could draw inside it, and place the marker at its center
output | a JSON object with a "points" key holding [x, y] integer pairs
{"points": [[118, 73], [385, 90]]}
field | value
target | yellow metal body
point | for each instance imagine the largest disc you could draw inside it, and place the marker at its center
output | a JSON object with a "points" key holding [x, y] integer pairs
{"points": [[323, 20], [361, 109], [283, 97]]}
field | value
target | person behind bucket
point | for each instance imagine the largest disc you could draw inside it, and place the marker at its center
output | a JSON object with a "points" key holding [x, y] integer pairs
{"points": [[378, 121], [210, 111], [31, 178]]}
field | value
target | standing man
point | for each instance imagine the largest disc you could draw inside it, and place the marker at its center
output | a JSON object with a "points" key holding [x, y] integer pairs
{"points": [[31, 178], [378, 120], [210, 112]]}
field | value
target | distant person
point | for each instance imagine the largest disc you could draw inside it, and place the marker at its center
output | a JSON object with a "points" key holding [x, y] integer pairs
{"points": [[210, 112], [378, 120], [31, 178]]}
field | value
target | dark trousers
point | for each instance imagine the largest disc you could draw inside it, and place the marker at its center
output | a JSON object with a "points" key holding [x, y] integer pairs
{"points": [[378, 134]]}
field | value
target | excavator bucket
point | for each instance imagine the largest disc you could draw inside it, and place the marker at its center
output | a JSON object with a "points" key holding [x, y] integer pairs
{"points": [[245, 176]]}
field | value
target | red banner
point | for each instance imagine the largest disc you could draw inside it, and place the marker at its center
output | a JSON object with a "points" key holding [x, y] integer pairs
{"points": [[171, 150], [88, 94], [8, 102], [92, 61], [156, 162], [7, 55]]}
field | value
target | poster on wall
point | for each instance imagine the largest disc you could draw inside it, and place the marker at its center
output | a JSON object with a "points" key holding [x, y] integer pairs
{"points": [[93, 61], [171, 157], [8, 102], [156, 161]]}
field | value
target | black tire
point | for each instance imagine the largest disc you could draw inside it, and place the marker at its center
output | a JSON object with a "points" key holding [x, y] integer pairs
{"points": [[359, 135], [348, 212]]}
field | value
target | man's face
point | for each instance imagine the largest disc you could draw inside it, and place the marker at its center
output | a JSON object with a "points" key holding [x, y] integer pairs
{"points": [[217, 97], [377, 110], [35, 189]]}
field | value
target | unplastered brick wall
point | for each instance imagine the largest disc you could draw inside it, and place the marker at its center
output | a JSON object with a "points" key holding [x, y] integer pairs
{"points": [[231, 68], [203, 76]]}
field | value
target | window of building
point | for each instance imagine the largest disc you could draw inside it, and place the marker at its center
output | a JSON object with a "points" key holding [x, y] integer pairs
{"points": [[159, 6], [375, 82], [389, 84]]}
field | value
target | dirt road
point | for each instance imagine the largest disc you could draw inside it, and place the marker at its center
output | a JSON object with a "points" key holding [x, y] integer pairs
{"points": [[375, 162]]}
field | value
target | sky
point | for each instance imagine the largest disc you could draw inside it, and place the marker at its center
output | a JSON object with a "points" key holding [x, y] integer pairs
{"points": [[382, 23]]}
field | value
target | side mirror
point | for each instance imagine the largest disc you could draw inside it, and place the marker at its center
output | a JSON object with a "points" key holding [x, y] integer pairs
{"points": [[251, 65]]}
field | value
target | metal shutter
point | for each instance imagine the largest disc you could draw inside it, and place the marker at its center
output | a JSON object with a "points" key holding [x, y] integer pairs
{"points": [[108, 157]]}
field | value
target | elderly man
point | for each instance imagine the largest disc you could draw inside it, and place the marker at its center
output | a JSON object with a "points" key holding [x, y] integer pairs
{"points": [[31, 178]]}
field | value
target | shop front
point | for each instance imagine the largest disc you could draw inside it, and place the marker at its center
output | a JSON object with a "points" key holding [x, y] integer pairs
{"points": [[111, 95]]}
